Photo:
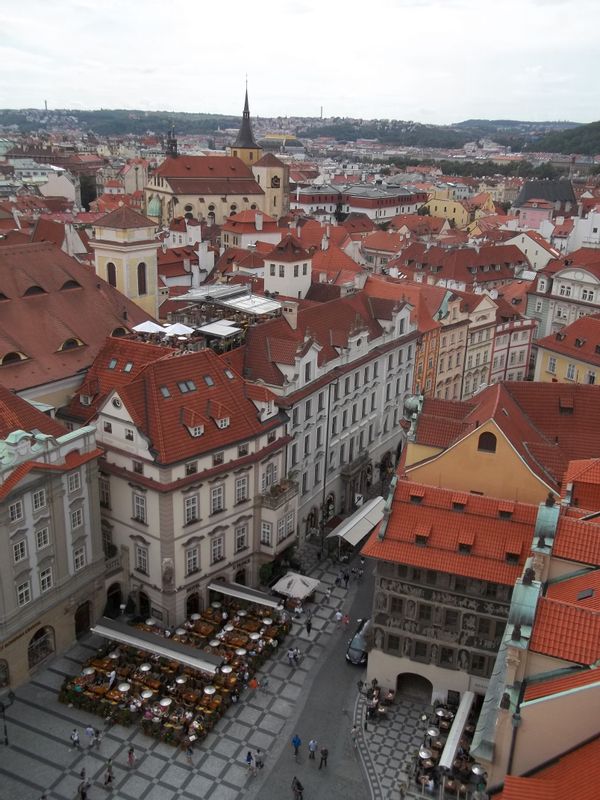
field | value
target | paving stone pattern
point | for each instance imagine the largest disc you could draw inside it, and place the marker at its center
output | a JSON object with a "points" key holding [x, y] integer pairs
{"points": [[40, 757]]}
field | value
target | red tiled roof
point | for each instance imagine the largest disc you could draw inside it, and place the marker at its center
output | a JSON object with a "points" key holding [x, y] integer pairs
{"points": [[17, 414], [124, 217], [72, 460], [47, 231], [574, 680], [212, 167], [269, 160], [356, 222], [73, 304], [209, 186], [570, 589], [565, 631], [479, 523], [333, 261], [381, 241], [288, 249], [583, 476], [571, 776], [579, 340], [577, 540], [421, 226]]}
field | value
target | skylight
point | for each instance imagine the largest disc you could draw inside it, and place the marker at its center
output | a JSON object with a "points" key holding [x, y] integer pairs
{"points": [[128, 366], [208, 380], [164, 390], [112, 363]]}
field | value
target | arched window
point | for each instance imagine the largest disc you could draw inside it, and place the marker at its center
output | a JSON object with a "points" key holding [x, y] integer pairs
{"points": [[41, 645], [119, 332], [12, 358], [141, 279], [487, 442], [33, 290], [4, 674], [211, 218], [70, 285], [111, 273], [70, 344]]}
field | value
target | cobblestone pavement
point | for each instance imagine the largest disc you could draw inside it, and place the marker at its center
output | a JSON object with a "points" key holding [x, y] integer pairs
{"points": [[39, 757]]}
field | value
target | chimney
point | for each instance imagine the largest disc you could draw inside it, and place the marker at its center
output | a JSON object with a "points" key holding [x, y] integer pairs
{"points": [[322, 277], [289, 311], [258, 221], [325, 242], [187, 265]]}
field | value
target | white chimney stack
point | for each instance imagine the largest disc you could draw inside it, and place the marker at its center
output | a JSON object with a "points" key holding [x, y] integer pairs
{"points": [[289, 312], [258, 221]]}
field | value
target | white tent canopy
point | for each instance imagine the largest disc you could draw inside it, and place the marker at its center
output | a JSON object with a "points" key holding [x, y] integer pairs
{"points": [[294, 585], [242, 592], [177, 329], [148, 327], [356, 526], [456, 731]]}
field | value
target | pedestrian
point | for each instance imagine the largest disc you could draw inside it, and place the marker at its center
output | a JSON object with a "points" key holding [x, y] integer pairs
{"points": [[189, 752], [253, 683], [328, 594], [131, 757], [297, 788], [338, 616], [290, 656], [354, 734], [297, 656], [259, 759], [75, 739], [82, 774], [250, 763], [309, 614], [112, 677], [312, 748], [354, 572], [83, 789], [338, 578], [366, 725], [108, 776], [324, 753], [296, 742], [346, 579], [308, 626], [90, 733], [362, 562], [97, 738], [346, 620], [402, 791]]}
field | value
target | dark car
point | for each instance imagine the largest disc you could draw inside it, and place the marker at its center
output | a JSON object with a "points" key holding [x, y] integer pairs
{"points": [[357, 652]]}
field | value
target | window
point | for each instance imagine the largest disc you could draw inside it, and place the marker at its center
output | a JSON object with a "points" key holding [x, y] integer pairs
{"points": [[307, 444], [552, 365], [241, 538], [129, 434], [19, 550], [15, 511], [74, 482], [272, 270], [46, 580], [141, 558], [280, 530], [76, 518], [217, 550], [39, 499], [266, 533], [223, 422], [107, 427], [217, 499], [141, 279], [290, 523], [139, 507], [111, 273], [294, 455], [218, 458], [570, 374], [191, 468], [24, 593], [304, 267], [308, 409], [296, 270], [487, 442], [192, 560], [294, 417], [197, 430], [269, 476], [79, 559], [281, 271], [317, 472], [243, 449], [191, 509], [321, 401], [138, 467], [241, 489], [42, 538], [164, 390]]}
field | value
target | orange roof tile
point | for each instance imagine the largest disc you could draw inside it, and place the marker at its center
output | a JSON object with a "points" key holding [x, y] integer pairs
{"points": [[124, 217], [579, 340], [564, 683], [567, 632], [583, 590], [478, 524]]}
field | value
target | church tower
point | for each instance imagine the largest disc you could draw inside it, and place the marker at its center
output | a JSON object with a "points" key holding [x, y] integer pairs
{"points": [[245, 146]]}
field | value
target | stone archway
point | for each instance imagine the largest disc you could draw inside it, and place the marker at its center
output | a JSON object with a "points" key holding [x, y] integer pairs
{"points": [[192, 604], [41, 646], [240, 577], [83, 619], [413, 686], [114, 598], [144, 602]]}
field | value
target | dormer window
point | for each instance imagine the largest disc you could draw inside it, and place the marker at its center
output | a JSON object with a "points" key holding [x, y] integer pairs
{"points": [[85, 399], [164, 390], [420, 540], [464, 548], [197, 430], [456, 506], [223, 422], [70, 344], [512, 558]]}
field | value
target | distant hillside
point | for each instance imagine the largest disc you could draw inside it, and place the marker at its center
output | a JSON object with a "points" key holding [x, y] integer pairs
{"points": [[584, 139]]}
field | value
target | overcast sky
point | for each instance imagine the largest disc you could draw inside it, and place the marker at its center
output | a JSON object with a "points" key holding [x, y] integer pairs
{"points": [[438, 61]]}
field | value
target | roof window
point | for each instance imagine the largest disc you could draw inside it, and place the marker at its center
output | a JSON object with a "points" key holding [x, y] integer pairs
{"points": [[70, 344], [208, 380], [229, 374], [33, 290], [112, 363], [186, 386], [223, 422], [164, 390], [128, 366]]}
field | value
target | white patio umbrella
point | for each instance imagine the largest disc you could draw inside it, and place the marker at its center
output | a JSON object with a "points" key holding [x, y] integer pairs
{"points": [[294, 585], [177, 329], [148, 327]]}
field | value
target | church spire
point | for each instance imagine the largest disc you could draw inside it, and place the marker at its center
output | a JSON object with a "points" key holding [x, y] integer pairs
{"points": [[245, 137]]}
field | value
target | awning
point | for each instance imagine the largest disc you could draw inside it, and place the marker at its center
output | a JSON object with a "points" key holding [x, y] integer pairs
{"points": [[456, 731], [295, 585], [148, 327], [356, 526], [244, 593], [151, 643]]}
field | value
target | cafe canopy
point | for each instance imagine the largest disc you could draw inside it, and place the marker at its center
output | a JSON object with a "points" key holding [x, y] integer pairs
{"points": [[294, 585], [241, 592], [142, 640], [357, 525], [456, 731]]}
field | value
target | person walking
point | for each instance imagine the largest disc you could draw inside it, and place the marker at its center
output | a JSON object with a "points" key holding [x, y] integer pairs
{"points": [[97, 738], [296, 742], [308, 626], [108, 775], [189, 752], [259, 759], [312, 748], [83, 789], [324, 752], [338, 616], [131, 757], [290, 657], [328, 595], [250, 763], [90, 733], [112, 677], [75, 739], [297, 788], [346, 579], [346, 620], [353, 735]]}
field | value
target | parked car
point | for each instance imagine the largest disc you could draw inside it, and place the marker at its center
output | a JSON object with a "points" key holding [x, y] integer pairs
{"points": [[357, 652]]}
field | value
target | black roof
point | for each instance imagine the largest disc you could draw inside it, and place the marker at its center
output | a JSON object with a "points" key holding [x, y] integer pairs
{"points": [[245, 137], [554, 191]]}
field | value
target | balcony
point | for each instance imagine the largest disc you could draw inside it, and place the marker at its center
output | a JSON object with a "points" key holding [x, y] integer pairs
{"points": [[279, 494]]}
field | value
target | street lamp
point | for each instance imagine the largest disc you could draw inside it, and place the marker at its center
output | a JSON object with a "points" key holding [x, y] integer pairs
{"points": [[4, 704]]}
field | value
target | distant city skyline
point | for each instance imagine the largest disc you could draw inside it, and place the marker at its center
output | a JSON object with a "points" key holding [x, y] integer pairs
{"points": [[431, 61]]}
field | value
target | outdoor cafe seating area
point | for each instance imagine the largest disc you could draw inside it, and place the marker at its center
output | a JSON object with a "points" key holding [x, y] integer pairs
{"points": [[464, 776], [177, 683]]}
